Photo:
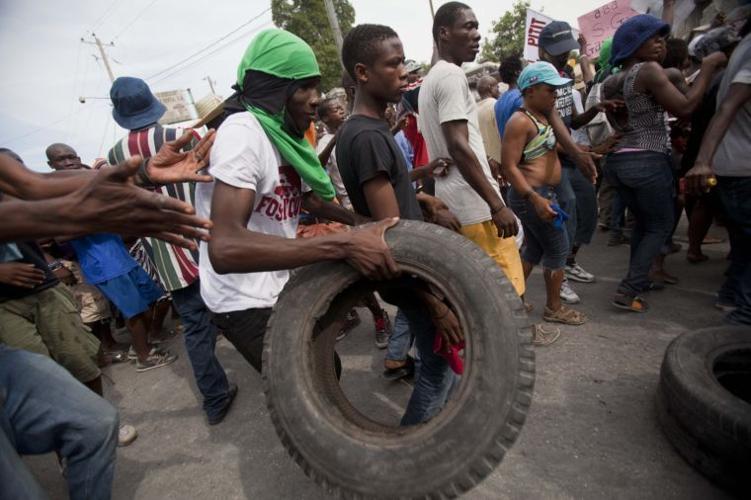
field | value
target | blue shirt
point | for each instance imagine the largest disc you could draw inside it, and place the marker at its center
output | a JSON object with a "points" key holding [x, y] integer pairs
{"points": [[102, 257], [406, 147], [506, 106]]}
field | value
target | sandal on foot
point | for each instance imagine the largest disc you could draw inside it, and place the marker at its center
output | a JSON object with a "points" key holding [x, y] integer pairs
{"points": [[633, 304], [545, 335], [564, 315]]}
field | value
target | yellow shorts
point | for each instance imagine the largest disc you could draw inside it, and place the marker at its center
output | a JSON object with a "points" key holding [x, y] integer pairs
{"points": [[501, 250]]}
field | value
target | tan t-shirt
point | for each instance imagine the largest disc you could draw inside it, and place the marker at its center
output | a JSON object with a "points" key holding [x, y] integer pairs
{"points": [[445, 97], [491, 139]]}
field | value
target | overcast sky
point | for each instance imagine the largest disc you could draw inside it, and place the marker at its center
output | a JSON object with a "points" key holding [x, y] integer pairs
{"points": [[47, 68]]}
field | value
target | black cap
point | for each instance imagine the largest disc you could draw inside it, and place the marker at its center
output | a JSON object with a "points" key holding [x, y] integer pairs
{"points": [[557, 38]]}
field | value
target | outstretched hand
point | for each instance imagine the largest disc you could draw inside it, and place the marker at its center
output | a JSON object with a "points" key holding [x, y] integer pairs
{"points": [[171, 165], [112, 203]]}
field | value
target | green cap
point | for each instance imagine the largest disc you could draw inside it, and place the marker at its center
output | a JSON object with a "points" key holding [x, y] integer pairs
{"points": [[281, 54]]}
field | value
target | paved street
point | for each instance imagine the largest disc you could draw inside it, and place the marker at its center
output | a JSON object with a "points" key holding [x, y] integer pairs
{"points": [[591, 432]]}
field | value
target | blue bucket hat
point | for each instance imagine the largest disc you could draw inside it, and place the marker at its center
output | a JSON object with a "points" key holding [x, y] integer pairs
{"points": [[633, 33], [540, 72], [135, 106]]}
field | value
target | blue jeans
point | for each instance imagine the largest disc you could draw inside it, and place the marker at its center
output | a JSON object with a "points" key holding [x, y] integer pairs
{"points": [[617, 213], [735, 194], [543, 241], [564, 191], [433, 377], [644, 180], [400, 340], [200, 343], [586, 207], [43, 409]]}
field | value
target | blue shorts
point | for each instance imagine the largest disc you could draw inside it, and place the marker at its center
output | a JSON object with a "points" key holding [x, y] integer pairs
{"points": [[132, 293], [543, 241]]}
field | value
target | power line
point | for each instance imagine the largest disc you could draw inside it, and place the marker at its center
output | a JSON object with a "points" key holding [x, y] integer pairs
{"points": [[41, 127], [212, 44], [107, 11], [218, 49], [138, 16]]}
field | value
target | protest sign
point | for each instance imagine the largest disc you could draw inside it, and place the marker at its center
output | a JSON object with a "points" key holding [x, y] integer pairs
{"points": [[600, 24], [535, 23]]}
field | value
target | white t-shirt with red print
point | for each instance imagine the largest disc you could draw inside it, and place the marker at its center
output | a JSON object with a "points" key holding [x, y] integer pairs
{"points": [[244, 157]]}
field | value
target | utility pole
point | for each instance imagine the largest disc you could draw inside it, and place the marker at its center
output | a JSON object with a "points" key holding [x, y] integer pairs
{"points": [[211, 83], [334, 22], [99, 45]]}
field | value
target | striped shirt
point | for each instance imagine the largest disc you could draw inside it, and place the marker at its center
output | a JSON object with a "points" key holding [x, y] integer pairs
{"points": [[177, 266]]}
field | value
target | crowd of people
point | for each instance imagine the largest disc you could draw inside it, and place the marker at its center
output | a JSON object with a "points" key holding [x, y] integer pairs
{"points": [[210, 227]]}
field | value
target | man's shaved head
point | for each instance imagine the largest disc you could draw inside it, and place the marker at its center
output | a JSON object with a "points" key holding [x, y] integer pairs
{"points": [[62, 157], [487, 86], [58, 148]]}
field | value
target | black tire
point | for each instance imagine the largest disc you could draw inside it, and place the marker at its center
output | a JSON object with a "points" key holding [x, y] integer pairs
{"points": [[353, 456], [704, 403]]}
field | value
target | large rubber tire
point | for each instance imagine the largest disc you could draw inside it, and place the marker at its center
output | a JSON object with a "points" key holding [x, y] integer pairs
{"points": [[351, 455], [709, 425]]}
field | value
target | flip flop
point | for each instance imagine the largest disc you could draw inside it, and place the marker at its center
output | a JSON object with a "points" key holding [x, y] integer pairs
{"points": [[633, 304]]}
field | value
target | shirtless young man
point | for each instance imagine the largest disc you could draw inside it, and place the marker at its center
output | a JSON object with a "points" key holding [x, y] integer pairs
{"points": [[531, 164]]}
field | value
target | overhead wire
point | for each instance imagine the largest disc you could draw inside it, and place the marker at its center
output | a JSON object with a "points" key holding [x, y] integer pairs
{"points": [[218, 49], [107, 11], [211, 45], [138, 16]]}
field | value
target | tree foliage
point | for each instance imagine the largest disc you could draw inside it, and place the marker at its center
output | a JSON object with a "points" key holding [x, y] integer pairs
{"points": [[307, 19], [506, 34]]}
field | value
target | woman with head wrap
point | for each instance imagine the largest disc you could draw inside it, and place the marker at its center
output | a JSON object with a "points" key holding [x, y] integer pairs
{"points": [[261, 163], [640, 168]]}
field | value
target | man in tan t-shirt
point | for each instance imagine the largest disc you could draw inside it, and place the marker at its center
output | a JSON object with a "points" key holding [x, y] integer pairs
{"points": [[487, 87]]}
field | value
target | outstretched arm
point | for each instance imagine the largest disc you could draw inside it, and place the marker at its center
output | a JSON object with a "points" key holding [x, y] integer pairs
{"points": [[232, 245], [107, 201]]}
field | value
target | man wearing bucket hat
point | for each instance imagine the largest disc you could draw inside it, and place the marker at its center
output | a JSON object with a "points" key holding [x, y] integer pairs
{"points": [[260, 162], [640, 168], [135, 108]]}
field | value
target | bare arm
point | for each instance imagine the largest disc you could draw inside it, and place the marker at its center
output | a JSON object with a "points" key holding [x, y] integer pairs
{"points": [[514, 140], [456, 134], [107, 202], [738, 95], [582, 158], [167, 166], [330, 211], [235, 249], [518, 132], [655, 80], [380, 197]]}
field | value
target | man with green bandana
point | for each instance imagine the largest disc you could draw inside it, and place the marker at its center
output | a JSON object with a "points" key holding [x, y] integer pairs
{"points": [[264, 172]]}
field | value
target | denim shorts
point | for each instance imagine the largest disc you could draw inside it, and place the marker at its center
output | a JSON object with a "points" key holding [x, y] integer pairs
{"points": [[544, 242]]}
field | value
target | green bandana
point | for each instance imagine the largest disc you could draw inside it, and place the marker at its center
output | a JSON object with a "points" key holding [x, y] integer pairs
{"points": [[285, 56]]}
